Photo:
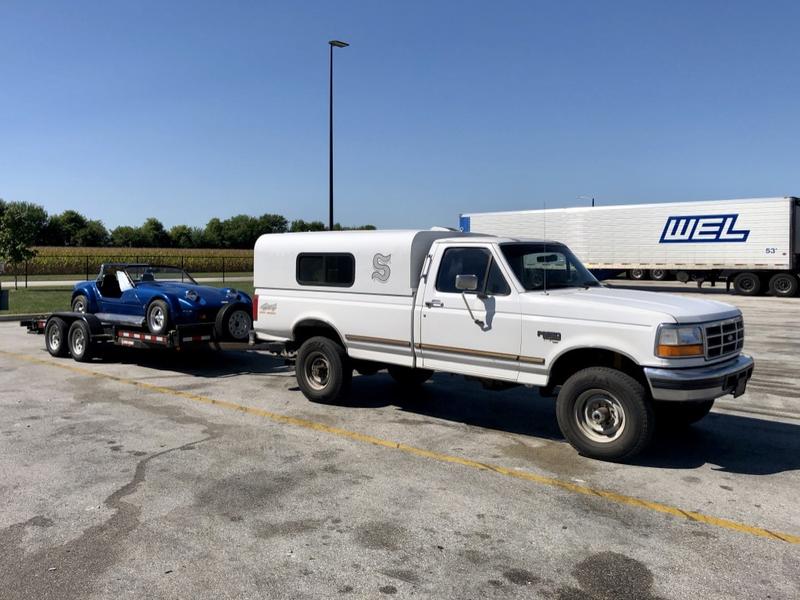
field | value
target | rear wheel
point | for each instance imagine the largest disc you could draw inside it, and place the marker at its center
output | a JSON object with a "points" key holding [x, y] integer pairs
{"points": [[747, 284], [673, 415], [234, 323], [158, 321], [80, 303], [323, 370], [408, 377], [80, 341], [55, 337], [783, 285], [636, 274], [605, 414], [658, 275]]}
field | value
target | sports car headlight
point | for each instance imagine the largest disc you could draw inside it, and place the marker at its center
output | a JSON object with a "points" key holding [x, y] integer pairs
{"points": [[192, 295], [679, 341]]}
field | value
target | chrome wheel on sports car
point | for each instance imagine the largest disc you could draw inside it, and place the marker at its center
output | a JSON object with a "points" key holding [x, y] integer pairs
{"points": [[158, 317], [80, 303]]}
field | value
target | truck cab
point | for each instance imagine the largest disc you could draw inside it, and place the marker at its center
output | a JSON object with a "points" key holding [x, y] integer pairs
{"points": [[503, 311]]}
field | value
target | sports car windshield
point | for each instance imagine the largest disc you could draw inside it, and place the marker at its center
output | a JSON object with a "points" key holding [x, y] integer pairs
{"points": [[140, 273], [546, 267]]}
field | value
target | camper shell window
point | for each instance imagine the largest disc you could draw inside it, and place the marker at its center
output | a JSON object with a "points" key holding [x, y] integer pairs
{"points": [[326, 268]]}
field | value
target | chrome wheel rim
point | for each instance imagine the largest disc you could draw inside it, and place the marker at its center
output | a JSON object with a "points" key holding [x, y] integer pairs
{"points": [[637, 273], [239, 324], [657, 274], [600, 416], [156, 318], [318, 371], [54, 338], [79, 305], [78, 341], [783, 285]]}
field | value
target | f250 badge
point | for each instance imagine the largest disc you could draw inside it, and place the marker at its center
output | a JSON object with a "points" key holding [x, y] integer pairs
{"points": [[265, 308], [380, 264], [550, 336]]}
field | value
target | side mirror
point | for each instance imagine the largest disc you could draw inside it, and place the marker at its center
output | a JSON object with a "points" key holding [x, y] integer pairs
{"points": [[467, 283]]}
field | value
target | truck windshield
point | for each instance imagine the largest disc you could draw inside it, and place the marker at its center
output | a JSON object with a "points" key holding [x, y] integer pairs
{"points": [[546, 266]]}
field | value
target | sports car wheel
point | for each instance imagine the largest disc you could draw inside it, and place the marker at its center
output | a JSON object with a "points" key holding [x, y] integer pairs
{"points": [[80, 303], [158, 317]]}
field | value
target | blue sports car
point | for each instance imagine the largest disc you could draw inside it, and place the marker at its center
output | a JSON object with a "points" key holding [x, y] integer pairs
{"points": [[161, 297]]}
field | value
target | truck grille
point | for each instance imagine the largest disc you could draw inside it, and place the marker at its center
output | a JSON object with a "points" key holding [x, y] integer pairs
{"points": [[724, 337]]}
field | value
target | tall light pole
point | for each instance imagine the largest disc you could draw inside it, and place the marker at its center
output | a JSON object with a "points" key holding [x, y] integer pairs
{"points": [[333, 44], [586, 198]]}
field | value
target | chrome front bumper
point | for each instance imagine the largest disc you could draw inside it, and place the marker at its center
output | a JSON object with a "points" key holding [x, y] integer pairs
{"points": [[700, 383]]}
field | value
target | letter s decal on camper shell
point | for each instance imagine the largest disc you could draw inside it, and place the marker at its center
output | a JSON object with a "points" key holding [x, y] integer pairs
{"points": [[382, 272]]}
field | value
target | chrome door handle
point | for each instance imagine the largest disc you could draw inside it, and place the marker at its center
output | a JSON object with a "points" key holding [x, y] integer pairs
{"points": [[435, 303]]}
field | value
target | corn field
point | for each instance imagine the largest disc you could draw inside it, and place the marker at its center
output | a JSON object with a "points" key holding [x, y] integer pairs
{"points": [[87, 261]]}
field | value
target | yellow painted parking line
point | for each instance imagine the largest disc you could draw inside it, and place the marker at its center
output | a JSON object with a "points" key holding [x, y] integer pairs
{"points": [[430, 454]]}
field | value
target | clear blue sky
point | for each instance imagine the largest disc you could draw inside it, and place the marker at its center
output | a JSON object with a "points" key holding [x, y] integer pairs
{"points": [[188, 110]]}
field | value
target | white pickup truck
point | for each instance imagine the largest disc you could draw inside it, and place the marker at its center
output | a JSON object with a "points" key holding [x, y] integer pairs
{"points": [[503, 311]]}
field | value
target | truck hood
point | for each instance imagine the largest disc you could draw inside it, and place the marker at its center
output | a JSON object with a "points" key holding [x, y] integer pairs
{"points": [[636, 307]]}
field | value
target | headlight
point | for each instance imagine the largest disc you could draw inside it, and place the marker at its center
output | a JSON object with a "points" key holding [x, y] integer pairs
{"points": [[192, 295], [677, 341]]}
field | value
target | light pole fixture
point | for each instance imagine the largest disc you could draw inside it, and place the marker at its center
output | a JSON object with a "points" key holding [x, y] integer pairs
{"points": [[333, 44], [586, 198]]}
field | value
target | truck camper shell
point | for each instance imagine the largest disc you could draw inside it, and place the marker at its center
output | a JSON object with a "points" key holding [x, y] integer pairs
{"points": [[385, 262]]}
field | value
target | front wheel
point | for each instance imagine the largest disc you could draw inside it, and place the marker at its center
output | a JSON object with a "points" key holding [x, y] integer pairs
{"points": [[605, 414], [80, 303], [323, 370], [158, 317]]}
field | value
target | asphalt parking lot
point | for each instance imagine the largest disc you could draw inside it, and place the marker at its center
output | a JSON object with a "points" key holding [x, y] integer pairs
{"points": [[208, 475]]}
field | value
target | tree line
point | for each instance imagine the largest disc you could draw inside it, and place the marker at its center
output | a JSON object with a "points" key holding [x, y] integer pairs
{"points": [[31, 224]]}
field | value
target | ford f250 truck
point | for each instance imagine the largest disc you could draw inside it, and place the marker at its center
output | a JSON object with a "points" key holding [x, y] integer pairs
{"points": [[504, 311]]}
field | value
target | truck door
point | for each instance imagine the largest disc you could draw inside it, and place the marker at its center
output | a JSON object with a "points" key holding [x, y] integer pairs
{"points": [[450, 339]]}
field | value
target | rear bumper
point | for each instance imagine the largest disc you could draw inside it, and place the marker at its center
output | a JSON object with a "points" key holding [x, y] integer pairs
{"points": [[700, 383]]}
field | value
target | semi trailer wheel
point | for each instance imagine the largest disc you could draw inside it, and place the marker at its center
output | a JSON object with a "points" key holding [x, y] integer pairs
{"points": [[55, 337], [605, 414], [323, 370], [783, 285], [747, 284], [80, 341], [636, 274], [658, 274]]}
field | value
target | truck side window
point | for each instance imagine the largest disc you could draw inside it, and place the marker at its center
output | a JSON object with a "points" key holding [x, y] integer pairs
{"points": [[462, 261], [496, 284], [327, 269]]}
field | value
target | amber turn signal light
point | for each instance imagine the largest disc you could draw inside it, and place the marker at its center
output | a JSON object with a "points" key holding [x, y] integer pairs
{"points": [[665, 351]]}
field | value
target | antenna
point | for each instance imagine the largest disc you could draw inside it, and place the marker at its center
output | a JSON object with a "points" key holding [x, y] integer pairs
{"points": [[544, 246]]}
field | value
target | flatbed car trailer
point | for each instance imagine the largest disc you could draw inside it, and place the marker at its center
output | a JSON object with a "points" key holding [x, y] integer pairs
{"points": [[85, 336]]}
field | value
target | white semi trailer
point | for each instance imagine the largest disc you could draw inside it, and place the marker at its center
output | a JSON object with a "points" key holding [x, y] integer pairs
{"points": [[753, 243]]}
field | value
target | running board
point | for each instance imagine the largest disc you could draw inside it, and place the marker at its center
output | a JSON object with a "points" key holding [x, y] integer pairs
{"points": [[115, 319]]}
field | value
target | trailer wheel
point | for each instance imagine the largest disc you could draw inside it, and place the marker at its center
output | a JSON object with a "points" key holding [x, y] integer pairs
{"points": [[783, 285], [636, 274], [80, 341], [80, 303], [158, 321], [55, 337], [747, 284], [605, 414], [408, 377], [323, 370], [677, 415], [658, 274]]}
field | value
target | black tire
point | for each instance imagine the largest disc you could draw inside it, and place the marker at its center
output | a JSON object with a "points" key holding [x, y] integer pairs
{"points": [[617, 398], [658, 275], [323, 370], [55, 337], [234, 323], [672, 415], [408, 377], [637, 274], [80, 341], [783, 285], [158, 319], [80, 303], [747, 284]]}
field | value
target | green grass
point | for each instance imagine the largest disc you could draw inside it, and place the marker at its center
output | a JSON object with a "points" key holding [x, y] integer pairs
{"points": [[44, 300]]}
